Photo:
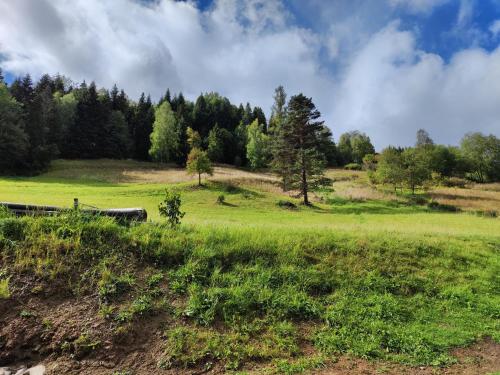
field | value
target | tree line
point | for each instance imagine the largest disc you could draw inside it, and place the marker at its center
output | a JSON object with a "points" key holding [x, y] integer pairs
{"points": [[54, 118]]}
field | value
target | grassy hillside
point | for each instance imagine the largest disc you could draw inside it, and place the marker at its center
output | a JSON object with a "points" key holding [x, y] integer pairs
{"points": [[251, 199], [363, 282]]}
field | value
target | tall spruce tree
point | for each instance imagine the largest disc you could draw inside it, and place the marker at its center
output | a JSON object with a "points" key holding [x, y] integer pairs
{"points": [[301, 142], [142, 126]]}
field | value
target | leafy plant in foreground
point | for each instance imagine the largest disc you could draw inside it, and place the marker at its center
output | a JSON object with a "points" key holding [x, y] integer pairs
{"points": [[171, 208]]}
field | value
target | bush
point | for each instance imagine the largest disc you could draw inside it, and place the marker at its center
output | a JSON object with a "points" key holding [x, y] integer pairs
{"points": [[171, 208], [353, 167], [454, 182]]}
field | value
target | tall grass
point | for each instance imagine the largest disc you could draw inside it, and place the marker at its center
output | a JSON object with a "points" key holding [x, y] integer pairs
{"points": [[262, 294]]}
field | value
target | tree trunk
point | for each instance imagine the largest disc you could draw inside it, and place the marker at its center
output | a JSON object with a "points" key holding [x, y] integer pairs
{"points": [[304, 187], [199, 179]]}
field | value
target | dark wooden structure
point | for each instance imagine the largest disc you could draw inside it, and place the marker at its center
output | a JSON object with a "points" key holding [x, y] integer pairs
{"points": [[128, 214]]}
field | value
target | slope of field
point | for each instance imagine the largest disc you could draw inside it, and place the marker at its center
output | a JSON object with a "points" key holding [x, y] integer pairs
{"points": [[365, 281], [251, 199]]}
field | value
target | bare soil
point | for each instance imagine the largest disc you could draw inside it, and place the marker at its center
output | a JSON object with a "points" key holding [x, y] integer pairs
{"points": [[43, 330]]}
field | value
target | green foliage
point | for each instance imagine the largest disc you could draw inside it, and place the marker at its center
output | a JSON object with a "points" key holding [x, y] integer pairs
{"points": [[257, 146], [353, 147], [193, 139], [199, 163], [483, 155], [353, 167], [4, 288], [416, 166], [14, 142], [299, 142], [215, 150], [171, 208], [165, 141]]}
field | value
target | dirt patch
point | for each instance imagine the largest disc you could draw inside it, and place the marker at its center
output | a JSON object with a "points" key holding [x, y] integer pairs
{"points": [[480, 358]]}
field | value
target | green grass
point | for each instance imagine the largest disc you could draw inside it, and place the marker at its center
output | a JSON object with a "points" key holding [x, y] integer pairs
{"points": [[248, 281], [244, 207], [240, 295]]}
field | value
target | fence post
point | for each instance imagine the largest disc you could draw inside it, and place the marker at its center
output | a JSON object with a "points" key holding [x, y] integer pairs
{"points": [[75, 203]]}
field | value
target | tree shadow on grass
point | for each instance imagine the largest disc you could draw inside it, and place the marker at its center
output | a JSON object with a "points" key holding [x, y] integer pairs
{"points": [[229, 188]]}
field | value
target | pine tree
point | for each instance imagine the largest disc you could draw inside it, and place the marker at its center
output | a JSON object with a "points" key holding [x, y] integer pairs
{"points": [[301, 141], [142, 127], [2, 79], [201, 116], [258, 114]]}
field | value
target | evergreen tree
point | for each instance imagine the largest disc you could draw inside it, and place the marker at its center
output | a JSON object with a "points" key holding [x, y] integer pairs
{"points": [[247, 115], [301, 141], [14, 144], [116, 141], [165, 136], [215, 149], [84, 137], [258, 115], [142, 127], [2, 79], [257, 147], [66, 117], [201, 116]]}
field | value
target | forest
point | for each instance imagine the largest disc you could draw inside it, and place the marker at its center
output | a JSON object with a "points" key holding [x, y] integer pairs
{"points": [[56, 118]]}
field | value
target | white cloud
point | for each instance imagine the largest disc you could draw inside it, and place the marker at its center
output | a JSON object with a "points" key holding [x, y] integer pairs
{"points": [[243, 49], [380, 83], [391, 89], [495, 28], [418, 6]]}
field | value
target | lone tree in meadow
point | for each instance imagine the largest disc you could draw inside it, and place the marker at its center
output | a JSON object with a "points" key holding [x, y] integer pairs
{"points": [[199, 163], [301, 144]]}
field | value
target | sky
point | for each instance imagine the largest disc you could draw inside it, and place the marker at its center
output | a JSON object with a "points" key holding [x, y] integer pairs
{"points": [[384, 67]]}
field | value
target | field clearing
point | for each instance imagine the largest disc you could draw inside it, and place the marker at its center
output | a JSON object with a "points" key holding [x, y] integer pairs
{"points": [[251, 199]]}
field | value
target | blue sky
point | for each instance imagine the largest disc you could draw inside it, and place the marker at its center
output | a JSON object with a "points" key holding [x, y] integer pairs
{"points": [[385, 67]]}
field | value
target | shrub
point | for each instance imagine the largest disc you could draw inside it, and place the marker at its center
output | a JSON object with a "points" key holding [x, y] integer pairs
{"points": [[171, 208], [221, 199], [454, 182], [353, 167]]}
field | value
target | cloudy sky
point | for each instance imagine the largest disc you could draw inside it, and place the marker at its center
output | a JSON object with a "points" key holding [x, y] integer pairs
{"points": [[385, 67]]}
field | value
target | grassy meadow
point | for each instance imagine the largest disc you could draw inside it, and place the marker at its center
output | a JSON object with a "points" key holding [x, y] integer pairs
{"points": [[251, 199], [246, 285]]}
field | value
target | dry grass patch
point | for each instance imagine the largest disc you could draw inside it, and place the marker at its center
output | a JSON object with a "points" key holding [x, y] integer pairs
{"points": [[479, 197]]}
